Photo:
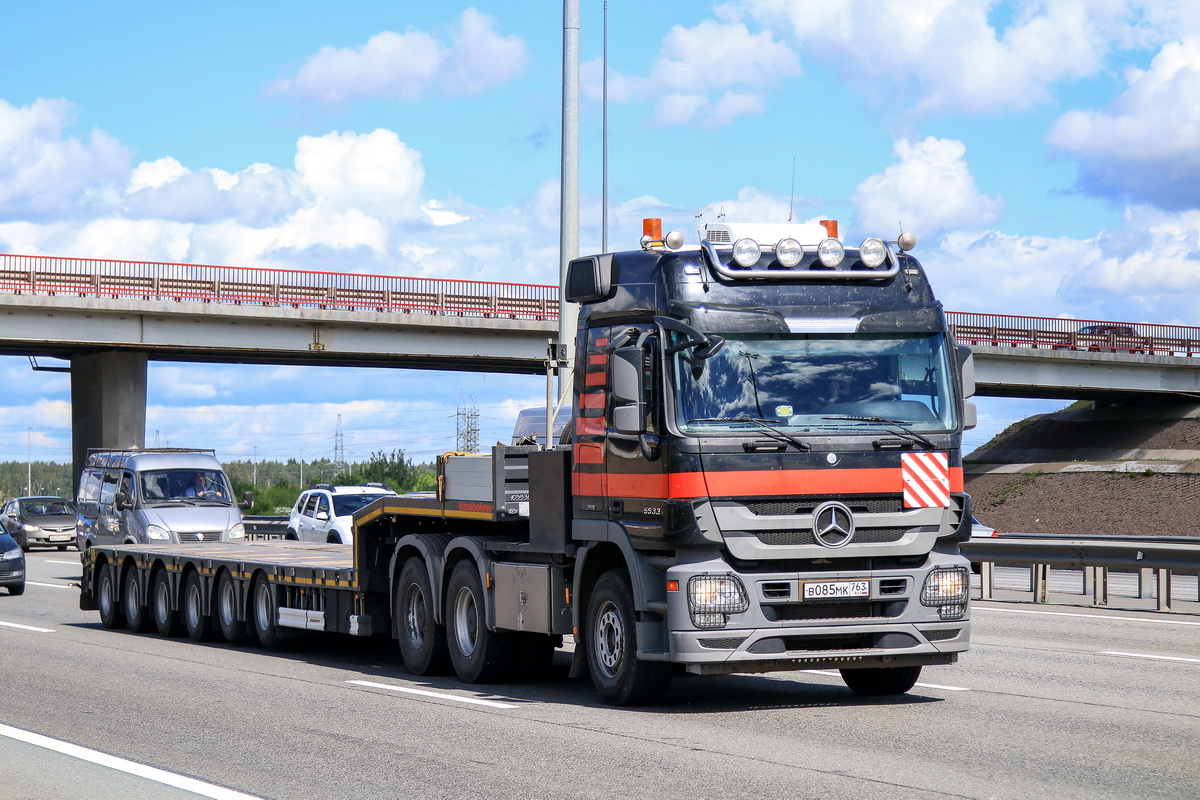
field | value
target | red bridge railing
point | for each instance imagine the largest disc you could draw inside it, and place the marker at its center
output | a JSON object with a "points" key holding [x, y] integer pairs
{"points": [[151, 280], [154, 280]]}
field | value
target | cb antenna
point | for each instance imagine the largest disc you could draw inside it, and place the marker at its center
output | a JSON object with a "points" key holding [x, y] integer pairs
{"points": [[792, 194]]}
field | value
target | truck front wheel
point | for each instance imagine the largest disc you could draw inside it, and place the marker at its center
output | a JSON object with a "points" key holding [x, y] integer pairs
{"points": [[478, 655], [881, 681], [422, 640], [619, 677]]}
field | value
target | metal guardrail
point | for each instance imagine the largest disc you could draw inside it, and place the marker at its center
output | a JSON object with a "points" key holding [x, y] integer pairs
{"points": [[261, 528], [153, 280], [1000, 330], [1156, 559]]}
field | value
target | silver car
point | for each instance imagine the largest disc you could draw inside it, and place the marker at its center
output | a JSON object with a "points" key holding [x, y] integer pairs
{"points": [[39, 521]]}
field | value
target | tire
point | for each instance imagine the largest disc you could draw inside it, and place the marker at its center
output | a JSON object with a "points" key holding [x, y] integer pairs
{"points": [[291, 536], [264, 613], [478, 655], [422, 641], [166, 619], [137, 616], [22, 540], [197, 623], [225, 610], [619, 677], [874, 682], [106, 598], [17, 590]]}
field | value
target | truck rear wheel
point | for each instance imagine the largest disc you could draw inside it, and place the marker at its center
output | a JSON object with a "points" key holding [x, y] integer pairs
{"points": [[106, 598], [136, 617], [265, 613], [422, 640], [881, 681], [619, 677], [195, 621], [166, 619], [478, 655], [232, 628]]}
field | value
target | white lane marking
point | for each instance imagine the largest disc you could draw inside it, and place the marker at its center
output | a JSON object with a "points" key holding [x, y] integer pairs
{"points": [[1088, 616], [123, 765], [922, 685], [51, 585], [1152, 658], [438, 695], [68, 563], [27, 627]]}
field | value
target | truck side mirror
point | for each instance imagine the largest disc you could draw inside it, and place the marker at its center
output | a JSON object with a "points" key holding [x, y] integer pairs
{"points": [[122, 501], [966, 366], [628, 390], [247, 500]]}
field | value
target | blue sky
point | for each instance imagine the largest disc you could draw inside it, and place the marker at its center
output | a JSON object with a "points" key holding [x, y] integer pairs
{"points": [[1046, 155]]}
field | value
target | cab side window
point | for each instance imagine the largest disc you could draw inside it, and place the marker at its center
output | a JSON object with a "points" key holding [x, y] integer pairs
{"points": [[310, 508], [108, 489]]}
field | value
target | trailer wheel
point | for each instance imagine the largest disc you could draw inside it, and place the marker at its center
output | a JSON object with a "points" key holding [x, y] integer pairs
{"points": [[478, 655], [881, 681], [619, 677], [195, 621], [265, 613], [166, 619], [137, 618], [232, 628], [106, 598], [422, 640]]}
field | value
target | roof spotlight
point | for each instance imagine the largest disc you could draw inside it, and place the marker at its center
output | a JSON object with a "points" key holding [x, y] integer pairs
{"points": [[788, 252], [830, 252], [872, 252], [746, 252]]}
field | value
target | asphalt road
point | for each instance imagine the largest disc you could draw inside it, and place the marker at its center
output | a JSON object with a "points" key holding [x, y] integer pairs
{"points": [[1051, 702]]}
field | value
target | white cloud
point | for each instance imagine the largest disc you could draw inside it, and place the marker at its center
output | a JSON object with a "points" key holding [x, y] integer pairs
{"points": [[45, 174], [709, 74], [1144, 147], [929, 190], [406, 66], [947, 51]]}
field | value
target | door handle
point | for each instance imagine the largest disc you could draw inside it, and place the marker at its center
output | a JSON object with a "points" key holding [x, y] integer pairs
{"points": [[616, 506]]}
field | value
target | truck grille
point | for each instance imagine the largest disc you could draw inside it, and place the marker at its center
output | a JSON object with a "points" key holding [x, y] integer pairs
{"points": [[805, 505], [802, 536], [199, 536]]}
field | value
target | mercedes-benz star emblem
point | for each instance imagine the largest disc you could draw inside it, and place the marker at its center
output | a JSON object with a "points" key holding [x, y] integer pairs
{"points": [[833, 524]]}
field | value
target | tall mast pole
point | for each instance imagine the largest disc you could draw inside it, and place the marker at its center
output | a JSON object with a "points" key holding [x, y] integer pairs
{"points": [[569, 207]]}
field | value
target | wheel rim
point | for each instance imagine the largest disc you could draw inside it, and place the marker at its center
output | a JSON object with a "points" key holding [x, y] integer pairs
{"points": [[193, 605], [131, 598], [609, 640], [263, 607], [104, 598], [415, 616], [466, 621], [225, 603], [162, 602]]}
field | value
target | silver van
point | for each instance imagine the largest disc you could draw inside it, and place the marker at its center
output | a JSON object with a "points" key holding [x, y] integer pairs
{"points": [[156, 495]]}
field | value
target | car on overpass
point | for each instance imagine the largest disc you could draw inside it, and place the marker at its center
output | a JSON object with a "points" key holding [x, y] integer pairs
{"points": [[1106, 338], [39, 521]]}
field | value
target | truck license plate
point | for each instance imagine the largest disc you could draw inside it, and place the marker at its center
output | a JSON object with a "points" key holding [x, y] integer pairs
{"points": [[821, 590]]}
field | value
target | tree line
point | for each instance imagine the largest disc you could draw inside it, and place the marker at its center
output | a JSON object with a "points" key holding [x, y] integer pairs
{"points": [[276, 484]]}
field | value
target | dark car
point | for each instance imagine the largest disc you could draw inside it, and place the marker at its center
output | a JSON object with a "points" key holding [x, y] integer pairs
{"points": [[44, 521], [1104, 338], [12, 565]]}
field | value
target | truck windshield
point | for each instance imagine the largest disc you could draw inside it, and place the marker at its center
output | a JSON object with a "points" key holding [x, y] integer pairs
{"points": [[184, 484], [826, 383]]}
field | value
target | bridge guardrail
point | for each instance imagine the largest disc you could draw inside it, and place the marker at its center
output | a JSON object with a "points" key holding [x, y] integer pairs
{"points": [[153, 280], [261, 527], [1151, 558], [1000, 330]]}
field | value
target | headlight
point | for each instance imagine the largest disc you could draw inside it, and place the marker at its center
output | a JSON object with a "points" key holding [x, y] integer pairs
{"points": [[712, 598], [746, 252], [789, 252], [28, 527], [831, 252], [872, 252], [157, 533], [237, 531], [946, 588], [10, 555]]}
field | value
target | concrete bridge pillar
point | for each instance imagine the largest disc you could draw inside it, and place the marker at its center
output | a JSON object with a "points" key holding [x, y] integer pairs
{"points": [[108, 403]]}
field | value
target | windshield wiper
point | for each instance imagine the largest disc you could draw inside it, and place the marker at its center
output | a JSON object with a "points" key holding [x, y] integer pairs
{"points": [[899, 424], [766, 425]]}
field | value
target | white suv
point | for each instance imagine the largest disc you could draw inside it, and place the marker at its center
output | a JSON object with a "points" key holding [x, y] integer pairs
{"points": [[324, 513]]}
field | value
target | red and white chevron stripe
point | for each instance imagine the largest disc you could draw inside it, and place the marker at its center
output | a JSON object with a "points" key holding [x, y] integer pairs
{"points": [[926, 479]]}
